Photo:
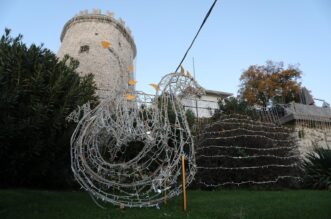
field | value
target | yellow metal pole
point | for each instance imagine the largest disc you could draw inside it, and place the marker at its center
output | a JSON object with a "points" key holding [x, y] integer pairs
{"points": [[165, 191], [184, 184]]}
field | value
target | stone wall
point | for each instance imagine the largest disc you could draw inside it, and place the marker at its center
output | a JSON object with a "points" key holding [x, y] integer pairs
{"points": [[308, 138], [81, 39]]}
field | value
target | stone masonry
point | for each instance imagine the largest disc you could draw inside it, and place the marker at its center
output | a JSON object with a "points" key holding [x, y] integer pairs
{"points": [[309, 138], [81, 38]]}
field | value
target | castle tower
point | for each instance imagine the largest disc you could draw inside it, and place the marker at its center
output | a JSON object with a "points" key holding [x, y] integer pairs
{"points": [[84, 37]]}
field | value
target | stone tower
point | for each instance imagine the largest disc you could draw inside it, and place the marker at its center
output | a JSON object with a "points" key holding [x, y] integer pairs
{"points": [[83, 38]]}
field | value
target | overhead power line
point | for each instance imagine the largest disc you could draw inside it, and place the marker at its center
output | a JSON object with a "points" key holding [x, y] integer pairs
{"points": [[196, 35]]}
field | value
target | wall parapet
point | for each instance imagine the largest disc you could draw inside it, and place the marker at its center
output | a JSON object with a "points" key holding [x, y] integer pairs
{"points": [[96, 16]]}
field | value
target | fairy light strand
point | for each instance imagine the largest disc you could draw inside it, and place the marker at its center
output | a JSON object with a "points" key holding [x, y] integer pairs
{"points": [[251, 181]]}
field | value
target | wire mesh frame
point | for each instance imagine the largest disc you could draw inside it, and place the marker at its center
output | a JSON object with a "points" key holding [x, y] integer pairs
{"points": [[106, 160]]}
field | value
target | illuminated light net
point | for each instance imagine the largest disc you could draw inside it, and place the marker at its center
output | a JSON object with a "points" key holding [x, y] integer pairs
{"points": [[127, 150], [238, 151]]}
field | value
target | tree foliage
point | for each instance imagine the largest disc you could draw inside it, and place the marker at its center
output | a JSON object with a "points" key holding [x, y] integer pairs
{"points": [[269, 84], [37, 92], [233, 105]]}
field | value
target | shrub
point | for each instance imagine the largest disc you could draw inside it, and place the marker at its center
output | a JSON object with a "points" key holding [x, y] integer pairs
{"points": [[238, 151], [317, 169], [37, 92]]}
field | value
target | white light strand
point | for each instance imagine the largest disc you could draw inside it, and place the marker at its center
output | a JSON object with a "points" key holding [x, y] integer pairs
{"points": [[247, 168], [248, 122], [246, 148], [249, 157], [247, 136], [251, 181], [241, 129]]}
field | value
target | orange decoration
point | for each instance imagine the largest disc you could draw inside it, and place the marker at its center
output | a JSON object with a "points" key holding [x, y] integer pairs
{"points": [[155, 86], [105, 44], [182, 71], [132, 82], [130, 69], [130, 97]]}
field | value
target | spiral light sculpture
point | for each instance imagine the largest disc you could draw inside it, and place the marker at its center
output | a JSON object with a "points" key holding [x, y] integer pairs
{"points": [[127, 150]]}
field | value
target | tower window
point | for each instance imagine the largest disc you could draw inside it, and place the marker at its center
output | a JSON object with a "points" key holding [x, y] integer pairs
{"points": [[84, 48]]}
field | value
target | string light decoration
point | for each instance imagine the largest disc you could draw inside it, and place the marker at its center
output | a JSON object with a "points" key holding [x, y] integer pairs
{"points": [[127, 151], [238, 151], [305, 116]]}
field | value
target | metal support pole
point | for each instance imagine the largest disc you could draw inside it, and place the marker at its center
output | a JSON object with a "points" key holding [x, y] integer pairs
{"points": [[184, 182]]}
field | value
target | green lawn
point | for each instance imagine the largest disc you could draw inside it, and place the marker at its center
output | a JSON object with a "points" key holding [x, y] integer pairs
{"points": [[239, 204]]}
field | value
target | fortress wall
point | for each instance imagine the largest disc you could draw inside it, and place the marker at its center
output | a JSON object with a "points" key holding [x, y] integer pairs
{"points": [[308, 138]]}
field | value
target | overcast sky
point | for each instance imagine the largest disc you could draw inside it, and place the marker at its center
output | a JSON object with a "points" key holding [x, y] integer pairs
{"points": [[239, 33]]}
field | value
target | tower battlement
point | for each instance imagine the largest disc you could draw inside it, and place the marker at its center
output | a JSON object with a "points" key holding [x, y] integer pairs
{"points": [[96, 15]]}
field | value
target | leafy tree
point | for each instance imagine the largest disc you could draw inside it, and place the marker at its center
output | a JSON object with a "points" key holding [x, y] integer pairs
{"points": [[233, 105], [37, 92], [269, 84]]}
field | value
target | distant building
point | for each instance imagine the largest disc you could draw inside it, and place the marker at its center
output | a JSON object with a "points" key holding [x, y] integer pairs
{"points": [[312, 125], [205, 105]]}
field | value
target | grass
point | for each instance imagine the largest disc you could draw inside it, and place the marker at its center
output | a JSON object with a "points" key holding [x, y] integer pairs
{"points": [[236, 204]]}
